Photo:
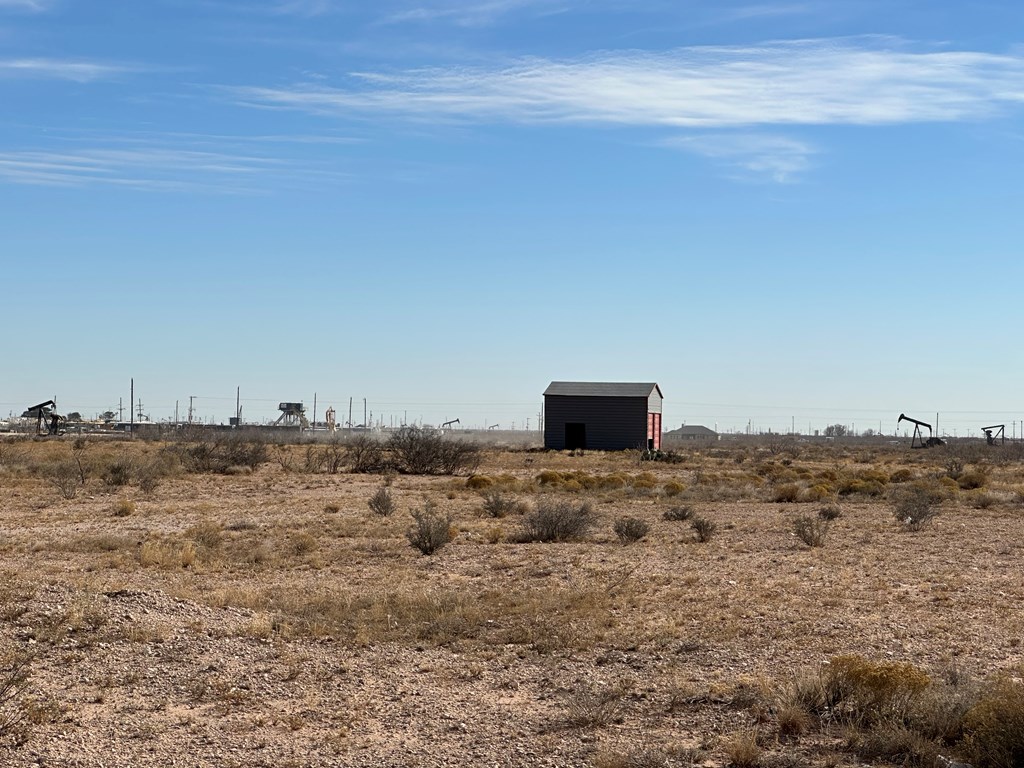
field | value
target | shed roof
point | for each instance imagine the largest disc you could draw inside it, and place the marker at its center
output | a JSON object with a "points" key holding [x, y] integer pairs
{"points": [[602, 389], [692, 429]]}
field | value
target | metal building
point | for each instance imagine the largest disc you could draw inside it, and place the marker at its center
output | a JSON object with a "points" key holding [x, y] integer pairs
{"points": [[602, 415]]}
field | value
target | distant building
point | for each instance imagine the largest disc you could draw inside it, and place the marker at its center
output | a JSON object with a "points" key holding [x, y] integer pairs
{"points": [[691, 434], [602, 416]]}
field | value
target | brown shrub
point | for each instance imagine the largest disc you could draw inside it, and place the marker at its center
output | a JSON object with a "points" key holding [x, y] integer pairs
{"points": [[631, 529], [704, 529], [479, 482], [557, 521], [811, 530], [430, 530], [788, 493], [969, 481], [994, 727], [673, 488]]}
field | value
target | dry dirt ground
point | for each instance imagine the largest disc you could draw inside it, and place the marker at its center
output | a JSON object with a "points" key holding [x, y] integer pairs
{"points": [[271, 619]]}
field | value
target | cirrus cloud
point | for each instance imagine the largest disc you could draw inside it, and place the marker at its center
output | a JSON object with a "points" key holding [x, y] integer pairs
{"points": [[818, 82]]}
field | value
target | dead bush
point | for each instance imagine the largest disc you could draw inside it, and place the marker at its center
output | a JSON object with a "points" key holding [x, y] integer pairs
{"points": [[903, 475], [479, 482], [865, 692], [314, 460], [207, 534], [219, 454], [123, 508], [994, 727], [704, 529], [430, 530], [830, 512], [915, 504], [14, 721], [557, 521], [678, 514], [631, 529], [425, 451], [983, 500], [65, 477], [153, 472], [786, 494], [743, 750], [597, 709], [496, 504], [119, 472], [382, 502], [895, 743], [364, 454], [335, 456], [673, 488], [972, 480], [811, 530]]}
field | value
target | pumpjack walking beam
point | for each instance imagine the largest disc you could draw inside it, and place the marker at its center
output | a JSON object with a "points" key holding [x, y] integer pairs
{"points": [[995, 433], [918, 441], [54, 421]]}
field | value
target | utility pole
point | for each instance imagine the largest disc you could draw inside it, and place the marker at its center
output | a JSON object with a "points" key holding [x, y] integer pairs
{"points": [[238, 406], [190, 399], [314, 410], [364, 412], [120, 409], [131, 400], [175, 413], [350, 413]]}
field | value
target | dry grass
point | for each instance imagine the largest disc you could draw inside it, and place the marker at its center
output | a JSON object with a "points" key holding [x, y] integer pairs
{"points": [[288, 562]]}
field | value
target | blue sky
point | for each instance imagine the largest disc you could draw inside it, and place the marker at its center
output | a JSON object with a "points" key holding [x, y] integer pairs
{"points": [[783, 212]]}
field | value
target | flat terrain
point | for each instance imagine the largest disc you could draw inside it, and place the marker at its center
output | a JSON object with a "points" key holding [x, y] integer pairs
{"points": [[270, 618]]}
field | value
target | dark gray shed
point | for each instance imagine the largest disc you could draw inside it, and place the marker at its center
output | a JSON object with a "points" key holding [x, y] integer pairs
{"points": [[602, 416]]}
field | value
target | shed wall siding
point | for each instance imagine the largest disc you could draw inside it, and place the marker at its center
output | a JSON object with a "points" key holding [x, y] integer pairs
{"points": [[613, 423], [654, 402]]}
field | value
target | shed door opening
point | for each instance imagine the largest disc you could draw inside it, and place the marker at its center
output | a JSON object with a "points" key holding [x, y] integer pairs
{"points": [[575, 437]]}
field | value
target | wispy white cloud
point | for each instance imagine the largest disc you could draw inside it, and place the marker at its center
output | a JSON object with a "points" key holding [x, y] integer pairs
{"points": [[59, 69], [35, 6], [780, 158], [305, 7], [763, 11], [477, 13], [175, 165], [819, 82]]}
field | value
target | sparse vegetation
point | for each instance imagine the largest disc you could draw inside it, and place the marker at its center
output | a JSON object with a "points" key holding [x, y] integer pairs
{"points": [[916, 504], [631, 529], [678, 514], [65, 477], [811, 530], [704, 529], [284, 563], [364, 454], [383, 502], [424, 451], [14, 706], [123, 508], [430, 530], [497, 504], [830, 512], [557, 521]]}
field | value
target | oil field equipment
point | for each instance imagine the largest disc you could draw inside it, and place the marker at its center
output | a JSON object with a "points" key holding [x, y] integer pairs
{"points": [[54, 422], [292, 415], [918, 441], [995, 435]]}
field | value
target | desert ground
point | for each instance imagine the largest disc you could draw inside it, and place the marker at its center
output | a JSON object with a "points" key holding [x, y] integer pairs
{"points": [[850, 604]]}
